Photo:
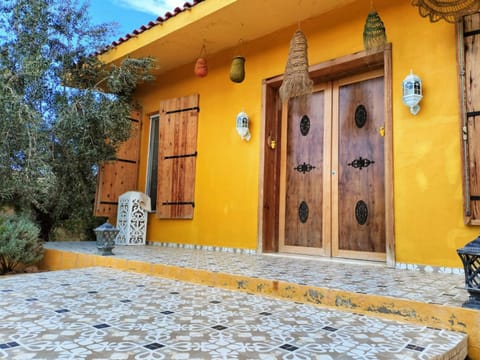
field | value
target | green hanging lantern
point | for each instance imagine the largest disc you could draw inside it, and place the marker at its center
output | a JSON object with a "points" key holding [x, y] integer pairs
{"points": [[374, 35], [237, 70]]}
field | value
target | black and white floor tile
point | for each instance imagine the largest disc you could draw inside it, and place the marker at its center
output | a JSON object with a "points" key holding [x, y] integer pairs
{"points": [[357, 277], [100, 313]]}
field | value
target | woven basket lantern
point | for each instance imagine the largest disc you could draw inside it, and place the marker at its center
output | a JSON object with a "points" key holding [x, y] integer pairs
{"points": [[296, 81], [374, 35], [448, 10], [201, 67], [237, 69]]}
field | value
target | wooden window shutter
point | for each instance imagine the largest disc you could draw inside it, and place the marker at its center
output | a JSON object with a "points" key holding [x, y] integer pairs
{"points": [[470, 64], [177, 155], [119, 176]]}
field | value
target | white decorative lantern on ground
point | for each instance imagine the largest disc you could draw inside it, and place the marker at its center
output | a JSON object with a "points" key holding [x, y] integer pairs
{"points": [[132, 216]]}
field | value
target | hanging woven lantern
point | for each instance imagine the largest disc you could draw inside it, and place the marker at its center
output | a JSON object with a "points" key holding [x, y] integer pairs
{"points": [[237, 69], [201, 68], [448, 10], [296, 81], [374, 35]]}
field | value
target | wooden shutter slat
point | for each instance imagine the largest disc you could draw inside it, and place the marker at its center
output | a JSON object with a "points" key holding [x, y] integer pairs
{"points": [[119, 176], [177, 157]]}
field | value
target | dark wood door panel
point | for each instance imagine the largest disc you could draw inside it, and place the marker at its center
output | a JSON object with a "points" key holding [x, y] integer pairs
{"points": [[304, 174], [361, 188]]}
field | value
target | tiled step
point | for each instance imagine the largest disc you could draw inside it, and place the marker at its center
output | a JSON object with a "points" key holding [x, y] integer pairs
{"points": [[107, 313], [211, 266]]}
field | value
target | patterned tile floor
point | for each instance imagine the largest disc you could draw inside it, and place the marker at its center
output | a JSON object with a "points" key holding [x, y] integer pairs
{"points": [[101, 313], [358, 277]]}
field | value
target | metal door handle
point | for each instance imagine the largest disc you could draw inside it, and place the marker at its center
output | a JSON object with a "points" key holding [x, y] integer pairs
{"points": [[272, 143]]}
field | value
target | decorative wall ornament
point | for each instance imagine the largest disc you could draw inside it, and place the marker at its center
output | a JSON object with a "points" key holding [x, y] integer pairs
{"points": [[448, 10], [132, 218], [361, 212], [304, 168], [361, 163], [374, 35], [304, 125], [303, 212], [296, 81]]}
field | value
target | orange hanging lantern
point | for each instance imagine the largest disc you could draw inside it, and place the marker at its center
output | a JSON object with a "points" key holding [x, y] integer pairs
{"points": [[201, 68]]}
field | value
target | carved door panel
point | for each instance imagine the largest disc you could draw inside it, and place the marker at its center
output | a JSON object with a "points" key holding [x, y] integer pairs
{"points": [[358, 188], [302, 214]]}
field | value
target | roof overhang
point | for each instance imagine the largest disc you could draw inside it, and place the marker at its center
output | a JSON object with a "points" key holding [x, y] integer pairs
{"points": [[217, 24]]}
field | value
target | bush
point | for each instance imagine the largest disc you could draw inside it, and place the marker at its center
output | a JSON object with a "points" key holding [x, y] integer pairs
{"points": [[19, 242]]}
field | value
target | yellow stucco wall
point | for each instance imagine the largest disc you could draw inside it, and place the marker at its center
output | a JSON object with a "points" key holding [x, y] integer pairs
{"points": [[427, 154]]}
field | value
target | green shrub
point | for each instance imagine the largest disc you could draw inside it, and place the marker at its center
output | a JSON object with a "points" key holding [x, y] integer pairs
{"points": [[19, 242]]}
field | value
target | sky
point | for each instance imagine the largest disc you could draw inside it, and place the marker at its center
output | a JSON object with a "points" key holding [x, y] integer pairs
{"points": [[130, 14]]}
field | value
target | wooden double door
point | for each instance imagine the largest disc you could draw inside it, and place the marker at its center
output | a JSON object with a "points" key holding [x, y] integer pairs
{"points": [[332, 191]]}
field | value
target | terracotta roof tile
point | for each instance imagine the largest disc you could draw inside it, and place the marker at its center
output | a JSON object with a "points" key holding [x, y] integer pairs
{"points": [[158, 21]]}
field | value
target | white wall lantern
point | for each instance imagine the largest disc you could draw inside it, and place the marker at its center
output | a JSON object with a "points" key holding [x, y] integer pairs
{"points": [[412, 92], [242, 126]]}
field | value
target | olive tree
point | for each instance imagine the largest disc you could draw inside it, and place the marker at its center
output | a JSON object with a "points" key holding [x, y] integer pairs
{"points": [[62, 111]]}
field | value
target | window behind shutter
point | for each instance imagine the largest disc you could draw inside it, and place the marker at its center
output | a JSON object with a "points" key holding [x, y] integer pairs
{"points": [[177, 156], [471, 126], [118, 176]]}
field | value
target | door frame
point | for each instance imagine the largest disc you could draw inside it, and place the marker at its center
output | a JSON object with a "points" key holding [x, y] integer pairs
{"points": [[271, 136]]}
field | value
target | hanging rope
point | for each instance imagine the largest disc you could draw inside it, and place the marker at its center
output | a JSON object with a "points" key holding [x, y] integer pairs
{"points": [[448, 10], [296, 81]]}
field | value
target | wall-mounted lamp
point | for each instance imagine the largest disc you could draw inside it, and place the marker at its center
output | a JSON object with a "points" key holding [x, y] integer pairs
{"points": [[412, 92], [242, 126]]}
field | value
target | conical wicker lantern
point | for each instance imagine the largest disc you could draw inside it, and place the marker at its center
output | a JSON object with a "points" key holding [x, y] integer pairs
{"points": [[448, 10], [374, 35], [296, 81]]}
